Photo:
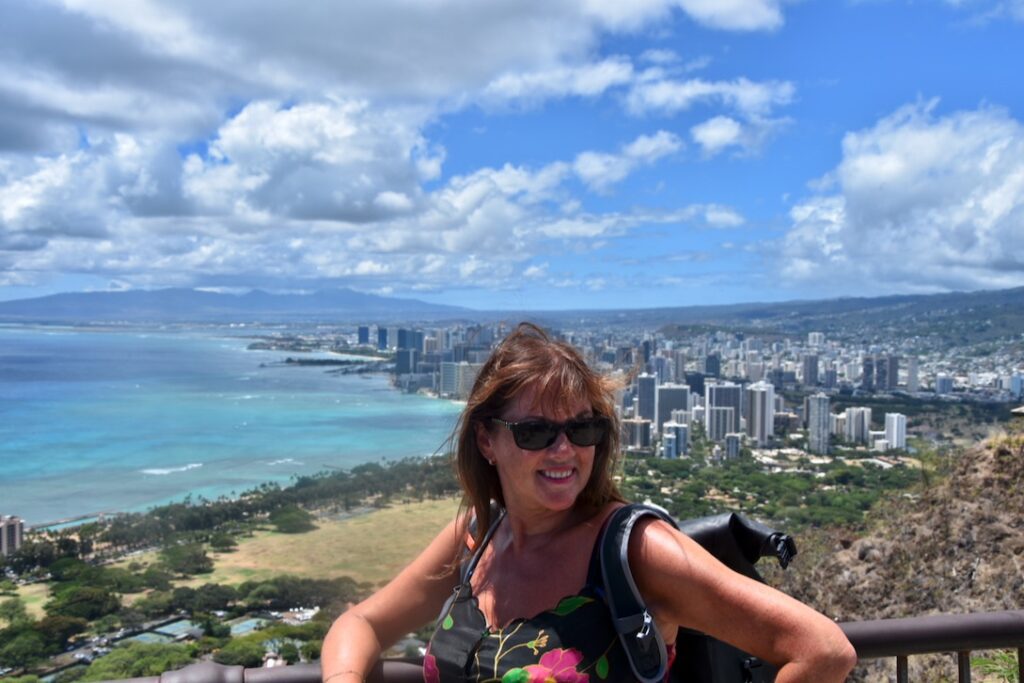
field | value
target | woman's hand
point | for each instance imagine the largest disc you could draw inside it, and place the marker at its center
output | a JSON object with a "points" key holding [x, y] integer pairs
{"points": [[686, 586]]}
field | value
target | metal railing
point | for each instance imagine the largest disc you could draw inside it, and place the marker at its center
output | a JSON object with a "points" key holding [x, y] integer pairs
{"points": [[959, 633], [882, 638]]}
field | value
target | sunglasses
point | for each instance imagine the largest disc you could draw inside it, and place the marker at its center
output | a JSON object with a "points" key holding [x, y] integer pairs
{"points": [[536, 435]]}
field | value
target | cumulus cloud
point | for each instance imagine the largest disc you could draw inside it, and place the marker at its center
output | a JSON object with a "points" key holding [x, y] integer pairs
{"points": [[717, 133], [153, 141], [919, 202], [599, 170], [724, 132]]}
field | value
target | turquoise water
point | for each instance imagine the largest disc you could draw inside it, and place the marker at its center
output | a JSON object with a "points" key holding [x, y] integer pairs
{"points": [[101, 421]]}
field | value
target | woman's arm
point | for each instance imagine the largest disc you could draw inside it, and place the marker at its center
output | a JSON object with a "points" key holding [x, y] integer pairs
{"points": [[411, 599], [685, 585]]}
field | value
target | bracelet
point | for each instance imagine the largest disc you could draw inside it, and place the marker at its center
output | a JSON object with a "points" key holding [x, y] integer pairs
{"points": [[342, 673]]}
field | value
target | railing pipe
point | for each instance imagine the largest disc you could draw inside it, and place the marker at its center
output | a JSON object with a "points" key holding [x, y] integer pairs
{"points": [[899, 638], [939, 633]]}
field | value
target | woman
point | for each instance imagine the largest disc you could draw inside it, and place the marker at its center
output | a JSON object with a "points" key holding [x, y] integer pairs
{"points": [[514, 580]]}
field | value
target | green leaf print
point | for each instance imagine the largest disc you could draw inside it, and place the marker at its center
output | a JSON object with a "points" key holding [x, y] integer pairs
{"points": [[516, 676], [601, 668], [448, 623], [571, 604]]}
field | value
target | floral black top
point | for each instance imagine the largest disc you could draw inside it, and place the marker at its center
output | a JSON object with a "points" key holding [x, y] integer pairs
{"points": [[575, 642]]}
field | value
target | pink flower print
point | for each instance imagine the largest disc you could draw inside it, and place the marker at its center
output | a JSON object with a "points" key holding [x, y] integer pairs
{"points": [[558, 666], [431, 674]]}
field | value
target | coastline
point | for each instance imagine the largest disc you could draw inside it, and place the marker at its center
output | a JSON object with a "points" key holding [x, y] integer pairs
{"points": [[121, 413]]}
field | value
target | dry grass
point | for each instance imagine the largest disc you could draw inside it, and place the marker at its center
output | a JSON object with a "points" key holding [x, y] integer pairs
{"points": [[34, 596], [372, 547]]}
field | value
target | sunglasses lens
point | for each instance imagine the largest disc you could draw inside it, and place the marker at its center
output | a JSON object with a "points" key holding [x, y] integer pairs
{"points": [[535, 434], [586, 432]]}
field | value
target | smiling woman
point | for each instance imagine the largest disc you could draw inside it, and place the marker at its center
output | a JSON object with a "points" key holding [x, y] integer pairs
{"points": [[514, 577]]}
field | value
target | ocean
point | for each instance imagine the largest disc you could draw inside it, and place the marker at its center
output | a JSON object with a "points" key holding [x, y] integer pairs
{"points": [[99, 421]]}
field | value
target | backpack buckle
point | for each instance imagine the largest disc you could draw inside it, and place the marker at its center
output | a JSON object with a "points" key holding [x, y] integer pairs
{"points": [[646, 630]]}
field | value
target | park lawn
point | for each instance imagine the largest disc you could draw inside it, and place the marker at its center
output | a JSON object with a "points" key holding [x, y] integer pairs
{"points": [[35, 596], [372, 547]]}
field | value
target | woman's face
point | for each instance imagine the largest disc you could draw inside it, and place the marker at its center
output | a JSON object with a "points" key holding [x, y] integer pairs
{"points": [[544, 480]]}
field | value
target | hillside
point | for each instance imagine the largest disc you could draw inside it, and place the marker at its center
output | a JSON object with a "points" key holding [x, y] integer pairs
{"points": [[956, 546]]}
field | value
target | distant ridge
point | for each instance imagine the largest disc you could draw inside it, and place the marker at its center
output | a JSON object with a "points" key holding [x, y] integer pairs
{"points": [[970, 315], [190, 305]]}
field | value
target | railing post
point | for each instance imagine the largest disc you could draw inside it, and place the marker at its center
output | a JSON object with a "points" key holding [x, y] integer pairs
{"points": [[901, 670], [963, 666]]}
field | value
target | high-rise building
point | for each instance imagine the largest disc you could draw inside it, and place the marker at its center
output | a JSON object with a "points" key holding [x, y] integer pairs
{"points": [[761, 413], [364, 334], [725, 395], [810, 370], [668, 446], [1017, 385], [680, 431], [405, 361], [669, 398], [881, 373], [831, 380], [892, 372], [695, 380], [713, 365], [896, 430], [913, 381], [636, 432], [456, 380], [867, 374], [718, 421], [818, 424], [858, 424], [733, 442], [816, 339], [382, 338], [943, 384], [12, 533], [646, 386]]}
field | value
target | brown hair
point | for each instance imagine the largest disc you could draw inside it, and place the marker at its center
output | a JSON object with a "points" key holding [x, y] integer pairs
{"points": [[529, 358]]}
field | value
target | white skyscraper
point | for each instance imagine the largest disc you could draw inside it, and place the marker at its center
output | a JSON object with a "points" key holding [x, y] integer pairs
{"points": [[818, 424], [761, 413], [896, 430]]}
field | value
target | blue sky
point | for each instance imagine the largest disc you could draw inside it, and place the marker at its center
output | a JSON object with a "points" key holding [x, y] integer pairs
{"points": [[514, 154]]}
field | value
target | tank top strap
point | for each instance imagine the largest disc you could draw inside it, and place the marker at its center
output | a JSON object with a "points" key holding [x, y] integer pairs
{"points": [[469, 567]]}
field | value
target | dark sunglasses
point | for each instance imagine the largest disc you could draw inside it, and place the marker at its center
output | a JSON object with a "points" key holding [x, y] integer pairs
{"points": [[536, 435]]}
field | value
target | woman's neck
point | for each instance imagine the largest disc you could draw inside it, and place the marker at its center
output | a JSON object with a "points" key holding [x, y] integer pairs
{"points": [[527, 531]]}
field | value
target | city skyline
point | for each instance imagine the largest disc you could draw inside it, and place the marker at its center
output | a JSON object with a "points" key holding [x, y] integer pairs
{"points": [[514, 155]]}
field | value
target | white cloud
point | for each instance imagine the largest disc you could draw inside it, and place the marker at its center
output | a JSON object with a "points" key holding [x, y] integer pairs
{"points": [[922, 203], [747, 97], [717, 133], [599, 170], [158, 143], [742, 15], [585, 80]]}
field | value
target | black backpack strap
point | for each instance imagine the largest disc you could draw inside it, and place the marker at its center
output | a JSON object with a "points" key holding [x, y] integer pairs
{"points": [[644, 646]]}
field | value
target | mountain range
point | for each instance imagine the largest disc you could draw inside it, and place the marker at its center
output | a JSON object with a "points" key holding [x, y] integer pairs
{"points": [[970, 314]]}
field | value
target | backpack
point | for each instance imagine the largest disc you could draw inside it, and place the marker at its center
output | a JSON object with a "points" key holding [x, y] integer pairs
{"points": [[735, 541]]}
